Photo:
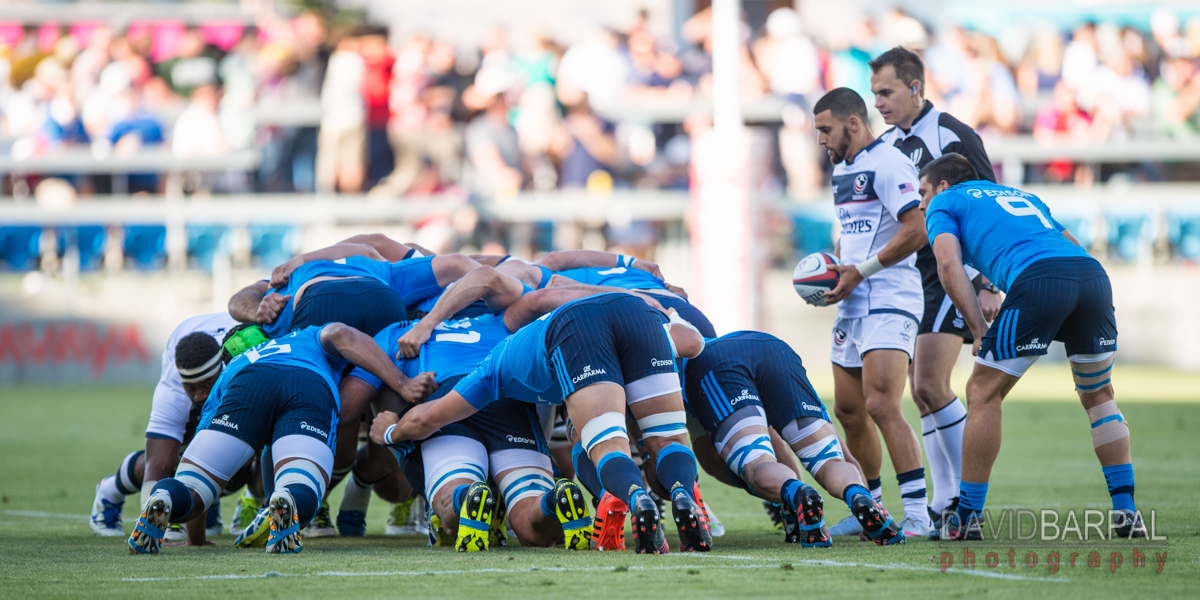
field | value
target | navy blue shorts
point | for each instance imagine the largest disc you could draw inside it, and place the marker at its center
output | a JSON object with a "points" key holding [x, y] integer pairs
{"points": [[363, 303], [502, 425], [748, 368], [1067, 300], [690, 313], [265, 402], [615, 338]]}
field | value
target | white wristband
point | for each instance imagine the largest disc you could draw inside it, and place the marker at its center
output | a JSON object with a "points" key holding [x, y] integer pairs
{"points": [[387, 435], [869, 267]]}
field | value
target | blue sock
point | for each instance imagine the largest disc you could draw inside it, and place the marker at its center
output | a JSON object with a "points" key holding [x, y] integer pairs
{"points": [[548, 505], [307, 501], [620, 476], [971, 497], [851, 492], [1120, 485], [585, 471], [460, 494], [267, 466], [791, 488], [181, 497], [676, 469]]}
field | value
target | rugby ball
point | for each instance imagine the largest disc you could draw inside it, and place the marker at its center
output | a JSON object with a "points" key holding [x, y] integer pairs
{"points": [[813, 277]]}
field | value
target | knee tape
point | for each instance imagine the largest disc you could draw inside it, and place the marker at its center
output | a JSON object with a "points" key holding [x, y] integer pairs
{"points": [[1095, 371], [526, 482], [663, 424], [746, 450], [1108, 424], [303, 472], [800, 429], [815, 455], [604, 427], [199, 482]]}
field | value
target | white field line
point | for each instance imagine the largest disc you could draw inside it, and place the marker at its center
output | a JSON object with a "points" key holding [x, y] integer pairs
{"points": [[802, 562], [44, 515]]}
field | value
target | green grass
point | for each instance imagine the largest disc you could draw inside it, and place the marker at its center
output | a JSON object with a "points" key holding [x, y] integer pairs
{"points": [[55, 443]]}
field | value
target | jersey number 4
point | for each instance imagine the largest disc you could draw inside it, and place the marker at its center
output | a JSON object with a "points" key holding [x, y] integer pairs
{"points": [[1022, 207]]}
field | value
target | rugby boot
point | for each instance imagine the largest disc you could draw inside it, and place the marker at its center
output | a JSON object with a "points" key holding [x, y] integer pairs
{"points": [[106, 517], [572, 512], [285, 524], [475, 517], [322, 524], [648, 535], [1129, 524], [876, 523], [148, 532], [255, 534], [608, 528], [694, 534], [247, 509]]}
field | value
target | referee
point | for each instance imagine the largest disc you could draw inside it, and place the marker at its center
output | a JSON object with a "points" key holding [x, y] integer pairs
{"points": [[924, 133]]}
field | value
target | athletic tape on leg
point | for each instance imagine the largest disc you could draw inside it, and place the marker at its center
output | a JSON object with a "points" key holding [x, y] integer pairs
{"points": [[303, 472], [199, 482], [1091, 371], [528, 482], [801, 429], [746, 450], [604, 427], [664, 424], [1108, 424], [815, 455]]}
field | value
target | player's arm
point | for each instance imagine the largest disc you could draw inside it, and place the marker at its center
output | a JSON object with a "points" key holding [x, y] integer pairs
{"points": [[359, 349], [533, 305], [484, 283], [957, 286], [421, 421], [908, 239], [281, 274], [389, 249], [562, 260], [162, 457], [253, 304]]}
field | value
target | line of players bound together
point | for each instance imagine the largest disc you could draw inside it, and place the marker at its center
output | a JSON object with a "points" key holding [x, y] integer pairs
{"points": [[473, 366]]}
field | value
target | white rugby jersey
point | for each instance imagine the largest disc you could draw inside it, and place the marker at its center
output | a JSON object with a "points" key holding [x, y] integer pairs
{"points": [[171, 407], [870, 194]]}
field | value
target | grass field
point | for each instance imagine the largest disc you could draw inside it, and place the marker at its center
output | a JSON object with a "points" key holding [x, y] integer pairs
{"points": [[55, 443]]}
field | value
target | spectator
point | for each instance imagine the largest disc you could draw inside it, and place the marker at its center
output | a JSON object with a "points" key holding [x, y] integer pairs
{"points": [[1061, 120], [378, 64], [586, 147], [1176, 98], [789, 60], [137, 128], [194, 65], [342, 139], [491, 143]]}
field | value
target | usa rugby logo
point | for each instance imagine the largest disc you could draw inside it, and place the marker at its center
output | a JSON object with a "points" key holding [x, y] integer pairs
{"points": [[860, 183], [839, 337]]}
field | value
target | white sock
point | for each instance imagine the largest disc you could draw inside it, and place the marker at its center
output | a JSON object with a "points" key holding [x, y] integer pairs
{"points": [[108, 490], [355, 496], [951, 420], [944, 487], [912, 494]]}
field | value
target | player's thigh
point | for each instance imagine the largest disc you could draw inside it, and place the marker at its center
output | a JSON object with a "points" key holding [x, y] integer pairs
{"points": [[991, 382], [884, 373], [604, 404], [219, 454], [521, 474], [848, 399], [451, 458]]}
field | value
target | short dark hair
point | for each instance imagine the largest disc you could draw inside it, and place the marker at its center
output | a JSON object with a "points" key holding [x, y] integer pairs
{"points": [[195, 349], [905, 62], [953, 168], [842, 102]]}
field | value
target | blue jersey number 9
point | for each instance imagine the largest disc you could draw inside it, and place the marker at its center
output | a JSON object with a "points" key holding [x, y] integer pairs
{"points": [[1022, 207]]}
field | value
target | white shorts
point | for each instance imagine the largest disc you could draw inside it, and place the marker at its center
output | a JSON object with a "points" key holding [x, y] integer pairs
{"points": [[852, 338]]}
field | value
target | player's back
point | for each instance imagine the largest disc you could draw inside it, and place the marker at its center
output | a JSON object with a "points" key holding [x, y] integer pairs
{"points": [[301, 348], [455, 348], [627, 278], [1001, 230]]}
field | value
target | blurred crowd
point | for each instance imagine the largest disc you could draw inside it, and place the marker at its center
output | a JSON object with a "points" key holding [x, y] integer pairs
{"points": [[415, 115]]}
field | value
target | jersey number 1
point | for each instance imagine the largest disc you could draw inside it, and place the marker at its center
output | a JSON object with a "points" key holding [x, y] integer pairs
{"points": [[1021, 207]]}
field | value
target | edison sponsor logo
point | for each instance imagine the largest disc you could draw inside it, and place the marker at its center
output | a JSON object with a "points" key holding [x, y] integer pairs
{"points": [[305, 426], [225, 422], [1034, 344], [587, 372], [807, 406], [654, 362], [1104, 342], [519, 440]]}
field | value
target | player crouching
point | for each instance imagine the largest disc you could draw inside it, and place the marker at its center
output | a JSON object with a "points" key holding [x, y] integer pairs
{"points": [[277, 392]]}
